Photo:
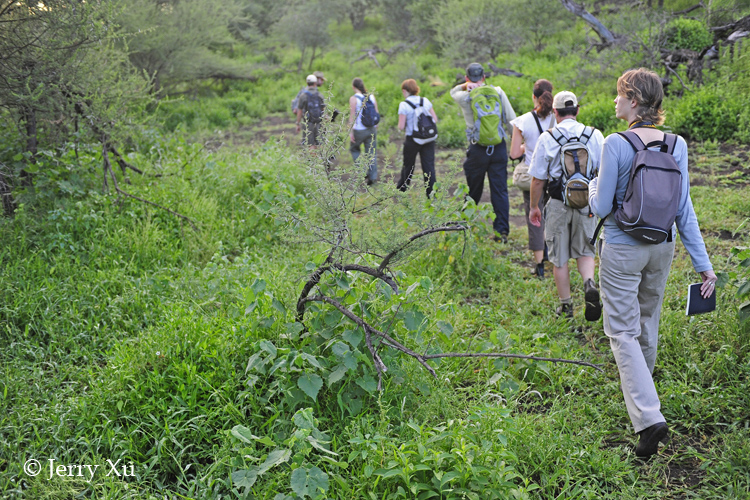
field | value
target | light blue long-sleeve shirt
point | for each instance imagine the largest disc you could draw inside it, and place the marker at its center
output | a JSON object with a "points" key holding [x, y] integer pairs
{"points": [[614, 172]]}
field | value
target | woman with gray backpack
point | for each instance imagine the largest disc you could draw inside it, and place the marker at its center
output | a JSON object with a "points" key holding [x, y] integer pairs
{"points": [[363, 125], [639, 241], [527, 129]]}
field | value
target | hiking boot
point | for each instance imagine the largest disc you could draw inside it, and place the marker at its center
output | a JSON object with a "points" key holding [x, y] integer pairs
{"points": [[539, 271], [501, 238], [648, 444], [565, 310], [593, 305]]}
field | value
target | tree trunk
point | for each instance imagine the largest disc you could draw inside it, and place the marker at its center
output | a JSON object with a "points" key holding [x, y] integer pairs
{"points": [[6, 192], [32, 144]]}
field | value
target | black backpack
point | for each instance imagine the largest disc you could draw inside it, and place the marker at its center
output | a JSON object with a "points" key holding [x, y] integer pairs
{"points": [[369, 115], [425, 129], [652, 197], [315, 105]]}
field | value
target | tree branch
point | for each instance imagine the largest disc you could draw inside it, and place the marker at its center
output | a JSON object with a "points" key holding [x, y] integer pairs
{"points": [[606, 36], [451, 226], [507, 355], [108, 168]]}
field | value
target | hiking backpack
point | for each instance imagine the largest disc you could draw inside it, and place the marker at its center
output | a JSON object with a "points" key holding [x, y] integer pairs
{"points": [[649, 207], [577, 168], [368, 114], [489, 116], [315, 105], [425, 129]]}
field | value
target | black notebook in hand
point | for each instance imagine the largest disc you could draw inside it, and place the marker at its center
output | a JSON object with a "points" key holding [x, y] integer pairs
{"points": [[696, 304]]}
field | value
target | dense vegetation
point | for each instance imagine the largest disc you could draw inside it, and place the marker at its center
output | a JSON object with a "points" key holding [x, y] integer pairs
{"points": [[129, 337]]}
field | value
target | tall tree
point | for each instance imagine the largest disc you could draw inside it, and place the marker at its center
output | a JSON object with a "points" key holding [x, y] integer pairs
{"points": [[306, 24], [60, 74], [175, 41]]}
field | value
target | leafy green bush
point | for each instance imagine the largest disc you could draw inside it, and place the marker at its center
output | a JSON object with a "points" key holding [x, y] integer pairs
{"points": [[688, 34], [708, 113], [600, 114]]}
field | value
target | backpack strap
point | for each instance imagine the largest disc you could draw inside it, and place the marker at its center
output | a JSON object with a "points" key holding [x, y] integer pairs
{"points": [[557, 135], [360, 97], [586, 134], [413, 106], [536, 119]]}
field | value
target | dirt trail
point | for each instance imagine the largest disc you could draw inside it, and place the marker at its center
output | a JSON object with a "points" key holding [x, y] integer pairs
{"points": [[447, 161]]}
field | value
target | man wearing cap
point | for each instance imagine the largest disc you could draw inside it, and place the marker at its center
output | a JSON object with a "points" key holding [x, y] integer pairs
{"points": [[567, 230], [310, 109], [489, 160], [320, 80]]}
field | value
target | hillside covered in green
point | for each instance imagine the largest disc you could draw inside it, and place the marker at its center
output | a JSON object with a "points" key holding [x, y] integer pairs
{"points": [[184, 288]]}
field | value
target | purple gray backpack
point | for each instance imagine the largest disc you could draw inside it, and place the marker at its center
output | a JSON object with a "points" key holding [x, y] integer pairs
{"points": [[649, 207]]}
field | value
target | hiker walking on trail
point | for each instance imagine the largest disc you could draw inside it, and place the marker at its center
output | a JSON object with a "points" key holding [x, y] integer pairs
{"points": [[417, 118], [295, 102], [310, 112], [634, 258], [565, 159], [486, 110], [527, 129], [363, 124]]}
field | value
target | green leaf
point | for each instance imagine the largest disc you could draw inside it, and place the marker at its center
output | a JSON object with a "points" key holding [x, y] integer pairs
{"points": [[268, 346], [445, 327], [258, 286], [309, 482], [744, 312], [319, 446], [426, 283], [278, 306], [413, 320], [276, 457], [337, 374], [339, 349], [343, 283], [411, 288], [255, 363], [31, 168], [354, 337], [251, 307], [243, 434], [387, 472], [312, 360], [367, 383], [310, 266], [310, 384], [244, 478], [304, 419], [294, 328], [744, 289]]}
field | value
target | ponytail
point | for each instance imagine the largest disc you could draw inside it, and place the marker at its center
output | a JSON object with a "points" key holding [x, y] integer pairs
{"points": [[543, 94]]}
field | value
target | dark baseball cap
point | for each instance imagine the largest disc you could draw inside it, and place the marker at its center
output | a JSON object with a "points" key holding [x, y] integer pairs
{"points": [[475, 72]]}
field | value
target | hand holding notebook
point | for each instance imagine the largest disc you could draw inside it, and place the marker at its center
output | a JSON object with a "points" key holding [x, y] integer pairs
{"points": [[697, 303]]}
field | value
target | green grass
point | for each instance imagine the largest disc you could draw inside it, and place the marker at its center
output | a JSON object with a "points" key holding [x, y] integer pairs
{"points": [[127, 335]]}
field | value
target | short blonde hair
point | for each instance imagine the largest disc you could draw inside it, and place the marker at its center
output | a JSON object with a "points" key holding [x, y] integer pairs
{"points": [[410, 86], [645, 87]]}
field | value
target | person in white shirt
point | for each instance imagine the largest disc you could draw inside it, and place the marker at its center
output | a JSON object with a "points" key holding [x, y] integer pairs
{"points": [[527, 129], [407, 123], [567, 230], [361, 135]]}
